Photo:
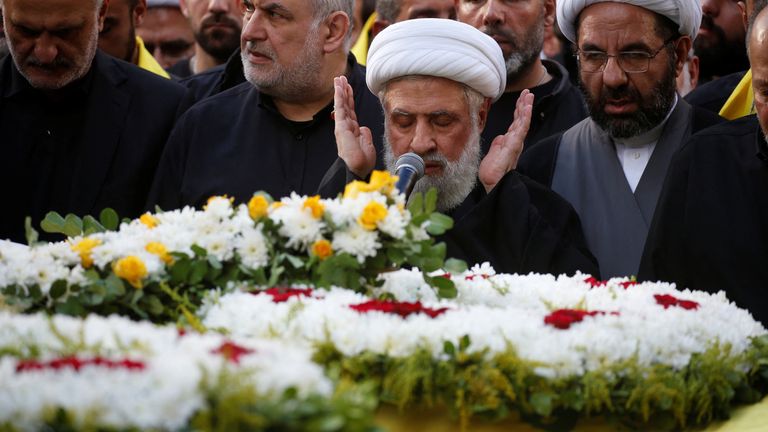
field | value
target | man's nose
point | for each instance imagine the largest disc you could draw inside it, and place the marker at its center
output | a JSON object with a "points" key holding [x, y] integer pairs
{"points": [[423, 140], [613, 75], [46, 50]]}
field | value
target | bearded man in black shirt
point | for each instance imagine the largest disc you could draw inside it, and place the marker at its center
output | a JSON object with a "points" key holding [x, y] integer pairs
{"points": [[273, 133], [79, 130]]}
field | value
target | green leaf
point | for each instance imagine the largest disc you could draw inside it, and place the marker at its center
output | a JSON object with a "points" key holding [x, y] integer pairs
{"points": [[52, 223], [295, 261], [73, 226], [439, 224], [30, 234], [416, 204], [396, 255], [542, 403], [199, 252], [199, 269], [180, 271], [455, 266], [214, 262], [71, 307], [91, 225], [445, 287], [58, 289], [109, 219], [464, 343], [115, 286], [430, 201], [154, 305], [449, 348]]}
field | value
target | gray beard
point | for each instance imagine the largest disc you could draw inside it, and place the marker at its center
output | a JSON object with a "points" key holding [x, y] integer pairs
{"points": [[458, 178]]}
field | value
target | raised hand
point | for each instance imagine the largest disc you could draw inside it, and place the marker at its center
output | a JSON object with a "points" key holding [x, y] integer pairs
{"points": [[505, 149], [353, 143]]}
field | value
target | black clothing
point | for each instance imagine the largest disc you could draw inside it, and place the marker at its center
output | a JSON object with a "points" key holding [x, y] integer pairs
{"points": [[520, 227], [181, 69], [557, 105], [539, 163], [93, 144], [710, 230], [237, 143], [217, 79], [712, 95]]}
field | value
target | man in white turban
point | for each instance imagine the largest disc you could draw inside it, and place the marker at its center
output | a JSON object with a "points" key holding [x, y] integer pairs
{"points": [[436, 79], [612, 165]]}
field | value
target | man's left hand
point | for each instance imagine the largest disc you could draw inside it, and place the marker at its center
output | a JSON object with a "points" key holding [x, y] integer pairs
{"points": [[505, 149]]}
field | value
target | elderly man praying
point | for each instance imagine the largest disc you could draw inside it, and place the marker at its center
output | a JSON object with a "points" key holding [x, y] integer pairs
{"points": [[436, 80]]}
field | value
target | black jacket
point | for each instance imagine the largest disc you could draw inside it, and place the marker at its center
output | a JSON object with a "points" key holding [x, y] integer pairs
{"points": [[126, 116], [712, 95], [557, 106], [710, 230], [216, 79]]}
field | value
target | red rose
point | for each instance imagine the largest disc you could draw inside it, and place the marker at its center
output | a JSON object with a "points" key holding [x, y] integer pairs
{"points": [[232, 351], [282, 294], [403, 309], [667, 300]]}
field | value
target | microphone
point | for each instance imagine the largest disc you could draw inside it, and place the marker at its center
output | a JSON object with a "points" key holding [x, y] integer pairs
{"points": [[409, 168]]}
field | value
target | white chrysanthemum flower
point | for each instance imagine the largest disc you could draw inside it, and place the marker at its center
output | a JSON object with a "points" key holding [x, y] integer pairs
{"points": [[252, 248], [395, 222], [356, 241], [298, 225]]}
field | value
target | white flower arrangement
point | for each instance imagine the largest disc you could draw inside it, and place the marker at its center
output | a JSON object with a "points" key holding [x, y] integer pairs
{"points": [[146, 376]]}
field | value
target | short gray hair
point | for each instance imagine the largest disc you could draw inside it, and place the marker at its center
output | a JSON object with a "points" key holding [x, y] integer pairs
{"points": [[324, 9], [388, 10]]}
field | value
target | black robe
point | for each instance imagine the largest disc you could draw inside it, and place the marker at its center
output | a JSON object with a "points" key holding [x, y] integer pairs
{"points": [[519, 227], [710, 230]]}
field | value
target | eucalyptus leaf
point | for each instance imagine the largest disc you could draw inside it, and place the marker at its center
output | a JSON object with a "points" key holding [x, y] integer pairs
{"points": [[73, 226], [455, 266], [29, 232], [430, 200], [91, 226], [52, 223]]}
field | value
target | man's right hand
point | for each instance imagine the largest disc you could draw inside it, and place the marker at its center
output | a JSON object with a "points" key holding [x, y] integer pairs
{"points": [[353, 143]]}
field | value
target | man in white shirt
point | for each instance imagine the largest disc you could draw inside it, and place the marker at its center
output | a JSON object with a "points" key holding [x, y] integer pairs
{"points": [[612, 165]]}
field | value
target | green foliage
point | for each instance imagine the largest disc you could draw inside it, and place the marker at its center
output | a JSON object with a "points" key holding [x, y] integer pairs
{"points": [[73, 226], [491, 386]]}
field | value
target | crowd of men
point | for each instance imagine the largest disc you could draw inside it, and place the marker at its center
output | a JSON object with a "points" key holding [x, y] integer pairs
{"points": [[646, 156]]}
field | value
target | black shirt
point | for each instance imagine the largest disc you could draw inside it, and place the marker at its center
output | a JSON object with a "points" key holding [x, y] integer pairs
{"points": [[712, 95], [216, 79], [237, 143], [710, 230], [557, 106]]}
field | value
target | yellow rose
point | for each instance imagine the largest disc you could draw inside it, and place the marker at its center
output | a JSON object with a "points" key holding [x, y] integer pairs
{"points": [[382, 181], [353, 189], [149, 220], [257, 207], [322, 249], [371, 215], [314, 204], [132, 269], [84, 248], [159, 249]]}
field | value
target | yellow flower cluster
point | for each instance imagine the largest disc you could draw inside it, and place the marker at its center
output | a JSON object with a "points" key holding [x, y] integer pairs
{"points": [[381, 181], [257, 207], [314, 204], [322, 249], [372, 213], [149, 220], [159, 249], [132, 269], [84, 248]]}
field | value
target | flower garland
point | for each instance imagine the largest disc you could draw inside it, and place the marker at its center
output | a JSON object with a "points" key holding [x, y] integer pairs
{"points": [[556, 331], [115, 373]]}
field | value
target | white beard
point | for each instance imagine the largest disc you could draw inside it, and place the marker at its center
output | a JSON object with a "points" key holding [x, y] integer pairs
{"points": [[458, 178]]}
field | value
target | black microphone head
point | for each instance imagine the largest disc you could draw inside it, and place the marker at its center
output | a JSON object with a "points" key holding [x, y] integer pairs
{"points": [[413, 161]]}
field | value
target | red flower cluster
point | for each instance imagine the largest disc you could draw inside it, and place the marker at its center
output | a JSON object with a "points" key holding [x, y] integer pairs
{"points": [[472, 277], [232, 351], [563, 318], [398, 308], [594, 283], [667, 300], [78, 363], [282, 294]]}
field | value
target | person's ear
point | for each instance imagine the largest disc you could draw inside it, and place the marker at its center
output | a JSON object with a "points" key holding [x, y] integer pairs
{"points": [[482, 114], [138, 12], [549, 13], [336, 30], [682, 48], [103, 14], [744, 17]]}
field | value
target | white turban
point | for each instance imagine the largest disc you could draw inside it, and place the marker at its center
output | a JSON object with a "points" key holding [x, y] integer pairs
{"points": [[685, 13], [437, 47]]}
